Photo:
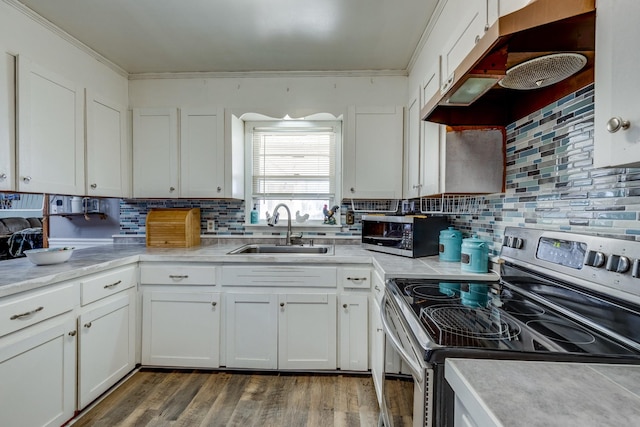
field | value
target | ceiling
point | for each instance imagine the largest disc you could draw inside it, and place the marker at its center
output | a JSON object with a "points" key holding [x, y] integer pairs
{"points": [[173, 36]]}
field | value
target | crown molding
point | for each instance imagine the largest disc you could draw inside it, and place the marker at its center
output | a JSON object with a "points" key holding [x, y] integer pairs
{"points": [[65, 36], [267, 74]]}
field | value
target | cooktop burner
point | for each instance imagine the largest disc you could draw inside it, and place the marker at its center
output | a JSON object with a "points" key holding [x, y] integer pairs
{"points": [[562, 332]]}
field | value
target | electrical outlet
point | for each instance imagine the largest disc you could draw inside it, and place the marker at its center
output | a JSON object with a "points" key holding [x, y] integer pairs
{"points": [[211, 225]]}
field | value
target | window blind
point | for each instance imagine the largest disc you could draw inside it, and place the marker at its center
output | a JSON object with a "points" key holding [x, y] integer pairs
{"points": [[294, 164]]}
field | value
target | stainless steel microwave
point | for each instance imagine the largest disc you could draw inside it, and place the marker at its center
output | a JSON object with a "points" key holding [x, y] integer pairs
{"points": [[411, 236]]}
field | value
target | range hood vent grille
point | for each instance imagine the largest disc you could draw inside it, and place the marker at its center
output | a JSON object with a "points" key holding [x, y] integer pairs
{"points": [[543, 71], [545, 34]]}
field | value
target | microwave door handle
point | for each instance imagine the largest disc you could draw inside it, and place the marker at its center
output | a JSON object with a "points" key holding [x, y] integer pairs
{"points": [[413, 364]]}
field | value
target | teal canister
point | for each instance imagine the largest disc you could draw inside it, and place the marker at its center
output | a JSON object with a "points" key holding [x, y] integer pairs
{"points": [[474, 255], [450, 244]]}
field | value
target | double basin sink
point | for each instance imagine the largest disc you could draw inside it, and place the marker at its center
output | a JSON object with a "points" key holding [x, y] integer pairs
{"points": [[270, 249]]}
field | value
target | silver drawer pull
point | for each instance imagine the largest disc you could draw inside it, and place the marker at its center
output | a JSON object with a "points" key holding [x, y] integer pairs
{"points": [[178, 276], [113, 285], [357, 279], [28, 313], [87, 325]]}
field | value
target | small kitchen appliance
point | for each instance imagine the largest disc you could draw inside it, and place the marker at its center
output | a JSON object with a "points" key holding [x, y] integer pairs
{"points": [[560, 297], [410, 236]]}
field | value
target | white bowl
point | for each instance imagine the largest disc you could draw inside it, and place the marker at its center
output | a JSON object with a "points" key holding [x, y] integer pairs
{"points": [[47, 256]]}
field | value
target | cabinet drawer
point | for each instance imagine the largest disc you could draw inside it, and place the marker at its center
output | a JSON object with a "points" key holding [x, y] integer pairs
{"points": [[22, 311], [299, 276], [359, 278], [178, 274], [102, 285]]}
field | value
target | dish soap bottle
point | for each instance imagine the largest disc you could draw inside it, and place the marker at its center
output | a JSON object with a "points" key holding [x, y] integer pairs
{"points": [[254, 215]]}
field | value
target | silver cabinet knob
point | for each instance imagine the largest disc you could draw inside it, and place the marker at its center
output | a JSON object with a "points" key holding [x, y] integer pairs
{"points": [[281, 304], [87, 325], [26, 179], [353, 190], [219, 189], [72, 333], [171, 189], [3, 176], [616, 123], [344, 305], [94, 186], [214, 303]]}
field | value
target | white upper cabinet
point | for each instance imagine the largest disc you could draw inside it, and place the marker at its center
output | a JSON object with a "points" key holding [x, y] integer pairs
{"points": [[466, 22], [108, 153], [7, 122], [155, 152], [50, 146], [199, 161], [412, 149], [372, 164], [202, 152], [617, 115]]}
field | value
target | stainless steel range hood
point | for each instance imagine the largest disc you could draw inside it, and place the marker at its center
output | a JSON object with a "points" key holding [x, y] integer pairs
{"points": [[542, 27]]}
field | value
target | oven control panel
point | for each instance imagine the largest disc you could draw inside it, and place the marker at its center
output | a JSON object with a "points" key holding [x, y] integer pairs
{"points": [[602, 261]]}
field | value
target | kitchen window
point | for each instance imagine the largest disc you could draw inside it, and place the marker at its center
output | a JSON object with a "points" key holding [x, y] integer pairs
{"points": [[295, 163]]}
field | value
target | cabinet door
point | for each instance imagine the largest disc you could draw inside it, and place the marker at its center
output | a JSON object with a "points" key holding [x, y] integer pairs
{"points": [[353, 327], [377, 350], [469, 27], [373, 153], [108, 154], [7, 122], [413, 181], [307, 331], [202, 156], [181, 328], [50, 132], [433, 136], [251, 330], [38, 371], [106, 351], [616, 87], [155, 152]]}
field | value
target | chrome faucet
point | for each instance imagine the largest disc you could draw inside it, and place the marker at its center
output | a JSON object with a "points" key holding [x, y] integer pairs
{"points": [[292, 239]]}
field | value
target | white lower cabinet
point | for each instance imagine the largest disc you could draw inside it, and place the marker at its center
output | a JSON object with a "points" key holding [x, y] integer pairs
{"points": [[353, 318], [106, 345], [280, 331], [106, 331], [181, 327], [38, 371]]}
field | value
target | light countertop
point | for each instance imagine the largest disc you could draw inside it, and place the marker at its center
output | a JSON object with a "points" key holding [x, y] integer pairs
{"points": [[528, 394], [20, 274]]}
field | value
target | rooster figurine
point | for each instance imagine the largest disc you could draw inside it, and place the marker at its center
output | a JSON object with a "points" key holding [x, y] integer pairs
{"points": [[329, 214], [301, 218]]}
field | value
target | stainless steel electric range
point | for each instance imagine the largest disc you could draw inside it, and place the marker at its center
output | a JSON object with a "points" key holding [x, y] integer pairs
{"points": [[561, 297]]}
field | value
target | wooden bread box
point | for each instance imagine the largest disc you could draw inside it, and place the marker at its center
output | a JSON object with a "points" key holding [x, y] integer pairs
{"points": [[173, 228]]}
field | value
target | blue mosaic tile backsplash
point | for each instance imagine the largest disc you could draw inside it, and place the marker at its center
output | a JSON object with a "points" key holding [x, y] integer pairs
{"points": [[550, 183]]}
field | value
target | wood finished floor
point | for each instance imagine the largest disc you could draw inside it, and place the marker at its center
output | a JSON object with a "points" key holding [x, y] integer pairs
{"points": [[203, 398]]}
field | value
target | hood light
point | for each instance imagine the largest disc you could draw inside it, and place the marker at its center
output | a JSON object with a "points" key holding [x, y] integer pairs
{"points": [[472, 89]]}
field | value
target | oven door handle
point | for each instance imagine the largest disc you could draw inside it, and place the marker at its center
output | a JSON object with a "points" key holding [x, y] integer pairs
{"points": [[414, 365]]}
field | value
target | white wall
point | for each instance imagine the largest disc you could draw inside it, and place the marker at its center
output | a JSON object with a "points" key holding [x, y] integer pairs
{"points": [[21, 35], [295, 95]]}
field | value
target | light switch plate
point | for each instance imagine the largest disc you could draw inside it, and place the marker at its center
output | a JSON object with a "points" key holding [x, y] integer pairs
{"points": [[211, 225]]}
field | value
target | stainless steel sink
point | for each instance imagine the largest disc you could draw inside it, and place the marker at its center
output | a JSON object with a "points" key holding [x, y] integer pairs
{"points": [[269, 249]]}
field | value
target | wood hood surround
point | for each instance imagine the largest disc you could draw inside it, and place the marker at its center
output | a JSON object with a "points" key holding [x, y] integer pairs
{"points": [[541, 27]]}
